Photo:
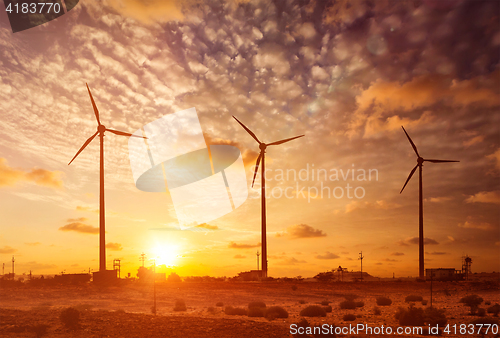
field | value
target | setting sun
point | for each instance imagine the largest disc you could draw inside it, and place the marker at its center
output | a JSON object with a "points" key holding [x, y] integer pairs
{"points": [[165, 254]]}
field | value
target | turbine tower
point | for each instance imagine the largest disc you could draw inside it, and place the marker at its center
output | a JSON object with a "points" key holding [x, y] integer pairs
{"points": [[100, 130], [420, 164], [262, 147]]}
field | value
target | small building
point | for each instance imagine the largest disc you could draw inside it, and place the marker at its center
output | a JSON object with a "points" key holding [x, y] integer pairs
{"points": [[443, 274], [73, 278]]}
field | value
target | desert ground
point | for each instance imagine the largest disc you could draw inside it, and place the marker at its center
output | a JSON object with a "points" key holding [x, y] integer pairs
{"points": [[125, 311]]}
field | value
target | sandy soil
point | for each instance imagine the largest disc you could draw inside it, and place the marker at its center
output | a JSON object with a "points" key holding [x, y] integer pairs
{"points": [[126, 311]]}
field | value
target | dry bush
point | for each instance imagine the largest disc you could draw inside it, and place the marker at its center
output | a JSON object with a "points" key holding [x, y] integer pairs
{"points": [[325, 302], [256, 312], [219, 304], [275, 312], [481, 312], [211, 310], [294, 287], [39, 330], [70, 317], [495, 309], [235, 311], [359, 304], [383, 301], [471, 301], [302, 301], [350, 296], [413, 316], [328, 308], [413, 298], [434, 316], [349, 317], [313, 311], [376, 311], [180, 305], [258, 304]]}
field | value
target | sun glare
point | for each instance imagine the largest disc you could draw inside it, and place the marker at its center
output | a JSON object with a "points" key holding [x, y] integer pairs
{"points": [[165, 254]]}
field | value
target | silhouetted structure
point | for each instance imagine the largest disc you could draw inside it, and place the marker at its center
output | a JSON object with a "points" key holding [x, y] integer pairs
{"points": [[443, 274], [103, 274], [420, 164], [262, 147], [361, 259], [466, 264]]}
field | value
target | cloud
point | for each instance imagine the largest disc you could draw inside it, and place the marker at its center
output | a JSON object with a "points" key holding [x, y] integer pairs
{"points": [[469, 224], [89, 209], [234, 245], [380, 204], [437, 253], [10, 176], [473, 140], [397, 254], [495, 157], [291, 261], [239, 257], [7, 250], [77, 225], [485, 197], [301, 231], [207, 226], [390, 260], [414, 240], [148, 12], [114, 246], [327, 255], [33, 243]]}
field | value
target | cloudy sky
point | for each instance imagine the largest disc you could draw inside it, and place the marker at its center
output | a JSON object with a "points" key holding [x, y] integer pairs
{"points": [[345, 74]]}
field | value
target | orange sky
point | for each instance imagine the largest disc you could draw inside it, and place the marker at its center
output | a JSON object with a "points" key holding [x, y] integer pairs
{"points": [[346, 77]]}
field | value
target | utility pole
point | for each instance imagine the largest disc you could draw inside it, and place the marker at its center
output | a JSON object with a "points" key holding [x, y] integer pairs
{"points": [[361, 258], [258, 254], [3, 269], [13, 260], [143, 258]]}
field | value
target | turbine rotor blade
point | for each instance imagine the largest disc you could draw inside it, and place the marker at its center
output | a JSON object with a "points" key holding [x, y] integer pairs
{"points": [[96, 112], [283, 141], [409, 176], [256, 168], [117, 132], [84, 145], [248, 130], [440, 161], [412, 144]]}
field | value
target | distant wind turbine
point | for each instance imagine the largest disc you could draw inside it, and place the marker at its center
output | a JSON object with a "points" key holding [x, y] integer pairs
{"points": [[420, 164], [262, 147], [100, 130]]}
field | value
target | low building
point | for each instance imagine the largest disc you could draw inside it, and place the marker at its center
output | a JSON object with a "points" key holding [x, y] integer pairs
{"points": [[443, 274]]}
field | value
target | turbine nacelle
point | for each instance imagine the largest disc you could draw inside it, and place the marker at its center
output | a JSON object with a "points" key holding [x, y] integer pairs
{"points": [[262, 146], [101, 128]]}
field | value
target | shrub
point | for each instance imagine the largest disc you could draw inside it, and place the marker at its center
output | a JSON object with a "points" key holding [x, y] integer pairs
{"points": [[180, 305], [302, 301], [487, 302], [348, 304], [294, 287], [481, 312], [413, 298], [70, 317], [275, 312], [350, 296], [413, 316], [313, 311], [235, 311], [173, 277], [325, 302], [39, 330], [256, 312], [211, 309], [219, 304], [360, 304], [328, 308], [376, 311], [349, 317], [256, 304], [383, 301], [495, 309], [434, 316], [424, 302], [472, 301]]}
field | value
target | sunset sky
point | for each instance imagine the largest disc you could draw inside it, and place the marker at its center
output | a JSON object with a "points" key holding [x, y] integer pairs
{"points": [[345, 74]]}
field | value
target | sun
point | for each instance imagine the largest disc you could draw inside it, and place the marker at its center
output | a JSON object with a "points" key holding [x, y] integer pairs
{"points": [[165, 254]]}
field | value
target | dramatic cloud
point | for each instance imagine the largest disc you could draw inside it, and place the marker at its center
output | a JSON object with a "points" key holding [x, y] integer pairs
{"points": [[485, 197], [114, 246], [10, 176], [77, 225], [496, 158], [7, 250], [239, 257], [150, 11], [301, 231], [234, 245], [327, 255]]}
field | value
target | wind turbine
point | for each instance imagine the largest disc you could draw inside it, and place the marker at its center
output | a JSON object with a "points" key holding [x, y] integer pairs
{"points": [[100, 130], [262, 147], [420, 164]]}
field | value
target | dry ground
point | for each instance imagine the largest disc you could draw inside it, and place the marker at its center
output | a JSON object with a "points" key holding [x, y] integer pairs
{"points": [[126, 311]]}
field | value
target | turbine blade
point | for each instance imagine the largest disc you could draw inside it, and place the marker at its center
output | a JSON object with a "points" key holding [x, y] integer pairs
{"points": [[412, 144], [96, 112], [117, 132], [283, 141], [256, 168], [409, 176], [84, 145], [248, 130], [440, 161]]}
